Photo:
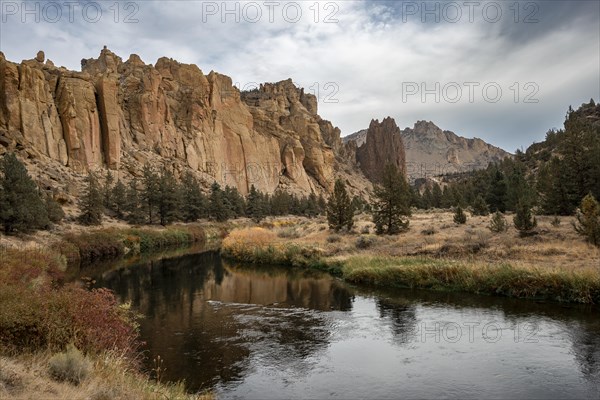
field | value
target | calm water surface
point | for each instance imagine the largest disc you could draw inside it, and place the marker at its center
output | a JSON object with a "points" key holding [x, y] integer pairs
{"points": [[267, 332]]}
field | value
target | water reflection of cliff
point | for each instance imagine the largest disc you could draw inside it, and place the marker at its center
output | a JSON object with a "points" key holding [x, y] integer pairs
{"points": [[207, 319]]}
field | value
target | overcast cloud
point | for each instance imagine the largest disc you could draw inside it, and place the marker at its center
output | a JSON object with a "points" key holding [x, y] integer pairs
{"points": [[365, 59]]}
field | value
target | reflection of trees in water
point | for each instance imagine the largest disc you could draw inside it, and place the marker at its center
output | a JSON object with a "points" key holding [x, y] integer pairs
{"points": [[585, 338], [205, 342], [401, 314]]}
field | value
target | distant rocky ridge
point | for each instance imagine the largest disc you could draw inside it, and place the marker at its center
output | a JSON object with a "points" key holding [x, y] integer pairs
{"points": [[430, 151], [120, 115]]}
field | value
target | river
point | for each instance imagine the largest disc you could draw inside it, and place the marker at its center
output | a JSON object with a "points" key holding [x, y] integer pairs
{"points": [[270, 332]]}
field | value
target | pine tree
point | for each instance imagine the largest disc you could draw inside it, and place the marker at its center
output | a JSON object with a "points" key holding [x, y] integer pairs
{"points": [[235, 201], [119, 199], [322, 203], [21, 207], [588, 220], [524, 220], [340, 213], [312, 206], [459, 216], [194, 203], [436, 196], [219, 208], [497, 194], [107, 190], [498, 223], [480, 207], [391, 202], [134, 204], [150, 192], [427, 199], [167, 199], [255, 207], [91, 203]]}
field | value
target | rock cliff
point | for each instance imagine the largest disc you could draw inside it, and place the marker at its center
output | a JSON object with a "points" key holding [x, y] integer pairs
{"points": [[431, 151], [382, 145], [121, 115]]}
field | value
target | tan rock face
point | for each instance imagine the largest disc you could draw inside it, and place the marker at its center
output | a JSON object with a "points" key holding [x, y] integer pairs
{"points": [[383, 145], [121, 114]]}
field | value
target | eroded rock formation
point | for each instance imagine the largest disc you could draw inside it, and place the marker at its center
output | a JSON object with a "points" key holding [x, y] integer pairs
{"points": [[122, 114], [383, 145]]}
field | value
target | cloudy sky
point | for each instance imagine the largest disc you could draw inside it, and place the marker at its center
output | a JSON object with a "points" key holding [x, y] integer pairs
{"points": [[503, 71]]}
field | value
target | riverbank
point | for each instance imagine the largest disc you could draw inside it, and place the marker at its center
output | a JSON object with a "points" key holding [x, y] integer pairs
{"points": [[42, 314], [436, 254]]}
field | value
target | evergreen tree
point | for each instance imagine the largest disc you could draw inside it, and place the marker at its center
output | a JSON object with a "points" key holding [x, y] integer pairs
{"points": [[119, 199], [21, 207], [91, 204], [497, 194], [235, 202], [480, 207], [340, 213], [255, 206], [167, 199], [54, 210], [107, 190], [588, 220], [218, 207], [459, 216], [392, 202], [322, 204], [194, 203], [151, 191], [498, 223], [312, 206], [427, 199], [436, 196], [524, 220], [134, 204]]}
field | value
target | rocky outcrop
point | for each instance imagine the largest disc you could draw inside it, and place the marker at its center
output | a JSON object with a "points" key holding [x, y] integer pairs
{"points": [[383, 145], [120, 115], [430, 151]]}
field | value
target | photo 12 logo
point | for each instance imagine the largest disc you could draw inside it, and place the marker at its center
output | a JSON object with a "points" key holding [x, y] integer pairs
{"points": [[469, 11], [269, 11], [69, 11], [326, 92], [453, 92]]}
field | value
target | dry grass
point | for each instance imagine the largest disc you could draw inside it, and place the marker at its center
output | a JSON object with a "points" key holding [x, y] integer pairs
{"points": [[27, 376]]}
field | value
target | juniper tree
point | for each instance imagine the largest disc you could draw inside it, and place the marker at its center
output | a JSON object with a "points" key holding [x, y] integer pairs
{"points": [[459, 216], [498, 223], [588, 220], [391, 202], [107, 190], [91, 203], [480, 207], [340, 212], [21, 207], [524, 220], [54, 210]]}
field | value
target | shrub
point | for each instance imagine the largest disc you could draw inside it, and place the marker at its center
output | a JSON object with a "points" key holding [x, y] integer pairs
{"points": [[334, 238], [365, 230], [429, 231], [555, 221], [364, 242], [289, 233], [498, 223], [70, 366], [588, 220], [459, 216], [480, 207], [97, 245]]}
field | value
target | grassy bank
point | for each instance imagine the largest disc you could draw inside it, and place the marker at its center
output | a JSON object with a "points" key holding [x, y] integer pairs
{"points": [[110, 243], [459, 273], [40, 318]]}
